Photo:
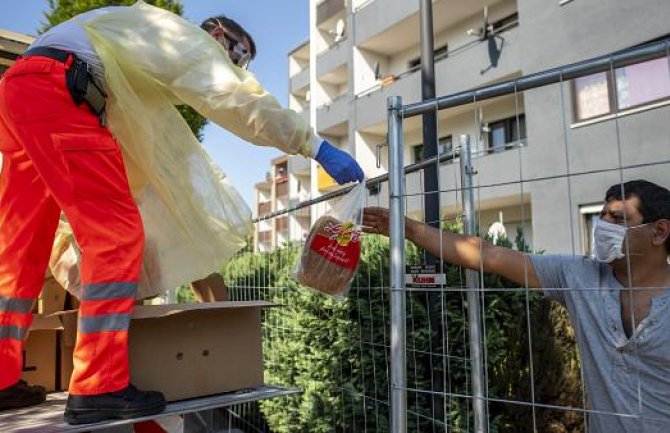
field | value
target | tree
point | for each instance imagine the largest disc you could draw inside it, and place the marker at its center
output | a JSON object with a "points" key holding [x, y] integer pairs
{"points": [[63, 10]]}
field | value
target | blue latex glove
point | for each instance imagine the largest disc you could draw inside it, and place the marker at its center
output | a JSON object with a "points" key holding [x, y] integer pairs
{"points": [[338, 164]]}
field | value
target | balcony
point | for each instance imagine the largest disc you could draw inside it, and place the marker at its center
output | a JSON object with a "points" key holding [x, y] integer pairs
{"points": [[332, 60], [324, 181], [265, 237], [12, 45], [328, 9], [389, 27], [460, 70], [332, 119], [371, 108], [300, 81], [281, 224], [282, 188], [303, 212], [380, 16], [489, 173], [471, 66], [264, 208], [299, 165]]}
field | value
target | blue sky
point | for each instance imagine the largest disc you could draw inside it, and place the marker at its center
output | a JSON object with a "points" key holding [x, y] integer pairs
{"points": [[277, 28]]}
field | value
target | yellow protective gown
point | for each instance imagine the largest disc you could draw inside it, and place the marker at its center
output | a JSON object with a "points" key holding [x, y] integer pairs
{"points": [[193, 219]]}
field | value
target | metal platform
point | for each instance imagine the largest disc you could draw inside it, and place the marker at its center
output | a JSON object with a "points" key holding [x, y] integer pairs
{"points": [[48, 417]]}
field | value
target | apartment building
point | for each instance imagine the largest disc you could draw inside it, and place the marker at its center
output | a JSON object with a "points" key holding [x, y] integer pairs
{"points": [[285, 185], [361, 52], [12, 45]]}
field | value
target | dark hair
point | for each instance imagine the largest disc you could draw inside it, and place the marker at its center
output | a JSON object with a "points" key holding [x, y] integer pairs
{"points": [[654, 200], [221, 20]]}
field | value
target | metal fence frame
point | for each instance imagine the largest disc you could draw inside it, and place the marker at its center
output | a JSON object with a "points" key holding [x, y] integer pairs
{"points": [[396, 113]]}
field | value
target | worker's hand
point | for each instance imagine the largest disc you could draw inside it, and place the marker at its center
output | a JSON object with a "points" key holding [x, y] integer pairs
{"points": [[376, 220], [338, 164]]}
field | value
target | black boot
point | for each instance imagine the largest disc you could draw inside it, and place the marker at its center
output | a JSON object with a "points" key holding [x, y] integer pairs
{"points": [[125, 404], [21, 395]]}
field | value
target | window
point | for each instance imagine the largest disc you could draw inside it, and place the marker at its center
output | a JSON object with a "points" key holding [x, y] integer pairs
{"points": [[592, 95], [506, 132], [440, 53], [505, 23], [636, 85], [417, 153], [444, 145], [590, 216], [642, 83]]}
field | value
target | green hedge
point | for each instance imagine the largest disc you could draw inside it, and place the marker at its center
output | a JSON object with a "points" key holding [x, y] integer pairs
{"points": [[336, 351]]}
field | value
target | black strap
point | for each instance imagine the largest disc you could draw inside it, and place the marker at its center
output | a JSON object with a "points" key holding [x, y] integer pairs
{"points": [[81, 84], [52, 53]]}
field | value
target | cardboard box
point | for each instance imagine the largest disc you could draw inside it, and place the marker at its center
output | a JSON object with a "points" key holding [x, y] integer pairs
{"points": [[52, 298], [193, 350], [66, 342], [40, 353]]}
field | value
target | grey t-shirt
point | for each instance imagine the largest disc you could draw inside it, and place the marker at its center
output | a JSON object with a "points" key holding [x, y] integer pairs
{"points": [[627, 379], [71, 36]]}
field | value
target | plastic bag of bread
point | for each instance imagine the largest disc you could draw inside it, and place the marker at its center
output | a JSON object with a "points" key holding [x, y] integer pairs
{"points": [[333, 247]]}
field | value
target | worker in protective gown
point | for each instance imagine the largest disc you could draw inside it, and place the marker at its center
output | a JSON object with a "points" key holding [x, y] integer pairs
{"points": [[88, 126]]}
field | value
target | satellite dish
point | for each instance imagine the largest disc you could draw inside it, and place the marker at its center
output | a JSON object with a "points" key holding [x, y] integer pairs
{"points": [[340, 27]]}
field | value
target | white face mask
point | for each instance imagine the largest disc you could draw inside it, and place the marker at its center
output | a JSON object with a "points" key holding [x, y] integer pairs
{"points": [[608, 241]]}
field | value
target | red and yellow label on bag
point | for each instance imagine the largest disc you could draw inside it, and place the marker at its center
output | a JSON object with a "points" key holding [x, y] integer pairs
{"points": [[339, 243]]}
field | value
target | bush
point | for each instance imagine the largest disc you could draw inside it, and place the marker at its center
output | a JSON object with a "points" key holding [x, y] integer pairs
{"points": [[336, 351]]}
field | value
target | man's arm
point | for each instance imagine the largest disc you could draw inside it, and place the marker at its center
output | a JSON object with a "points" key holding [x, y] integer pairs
{"points": [[193, 67], [466, 251]]}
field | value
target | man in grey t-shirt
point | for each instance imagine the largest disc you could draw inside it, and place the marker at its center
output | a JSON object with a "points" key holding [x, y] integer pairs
{"points": [[618, 301]]}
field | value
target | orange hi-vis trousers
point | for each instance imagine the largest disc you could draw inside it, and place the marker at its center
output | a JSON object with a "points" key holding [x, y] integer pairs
{"points": [[57, 156]]}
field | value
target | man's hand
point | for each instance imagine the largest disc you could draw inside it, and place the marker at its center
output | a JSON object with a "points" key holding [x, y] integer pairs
{"points": [[376, 220], [338, 164]]}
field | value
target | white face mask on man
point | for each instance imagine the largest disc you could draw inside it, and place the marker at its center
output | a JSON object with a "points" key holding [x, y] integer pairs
{"points": [[608, 241]]}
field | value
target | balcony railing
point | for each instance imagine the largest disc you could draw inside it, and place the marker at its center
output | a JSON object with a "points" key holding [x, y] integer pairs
{"points": [[303, 212], [325, 182], [265, 237], [327, 9], [282, 188], [264, 208], [282, 224]]}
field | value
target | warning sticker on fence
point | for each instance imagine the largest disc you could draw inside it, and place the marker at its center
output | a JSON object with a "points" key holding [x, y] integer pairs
{"points": [[424, 276]]}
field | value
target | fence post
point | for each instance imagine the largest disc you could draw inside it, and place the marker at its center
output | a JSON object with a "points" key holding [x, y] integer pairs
{"points": [[397, 268], [472, 283]]}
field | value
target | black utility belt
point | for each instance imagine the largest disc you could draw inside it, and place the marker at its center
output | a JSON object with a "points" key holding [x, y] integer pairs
{"points": [[80, 81]]}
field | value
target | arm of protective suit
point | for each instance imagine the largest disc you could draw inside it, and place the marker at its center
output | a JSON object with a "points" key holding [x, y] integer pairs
{"points": [[196, 69]]}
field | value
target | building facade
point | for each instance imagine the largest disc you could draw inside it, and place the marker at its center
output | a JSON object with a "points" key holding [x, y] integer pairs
{"points": [[568, 142], [12, 45]]}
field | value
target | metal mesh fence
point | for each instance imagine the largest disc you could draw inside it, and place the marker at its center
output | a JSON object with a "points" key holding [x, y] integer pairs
{"points": [[527, 170]]}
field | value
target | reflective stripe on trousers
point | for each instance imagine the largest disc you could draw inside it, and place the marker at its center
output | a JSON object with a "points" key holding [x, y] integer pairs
{"points": [[56, 156]]}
